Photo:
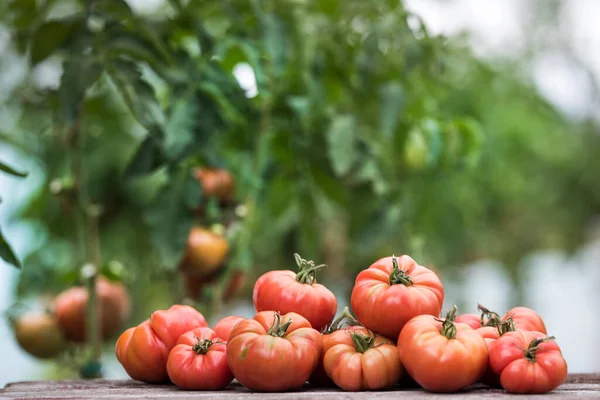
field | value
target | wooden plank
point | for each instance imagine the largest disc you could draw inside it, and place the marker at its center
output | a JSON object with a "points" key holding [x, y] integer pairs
{"points": [[580, 386]]}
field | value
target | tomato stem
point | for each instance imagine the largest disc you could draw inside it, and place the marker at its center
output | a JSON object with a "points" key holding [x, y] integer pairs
{"points": [[277, 329], [362, 342], [398, 276], [508, 325], [448, 328], [534, 346], [489, 318], [202, 345], [308, 270], [344, 318]]}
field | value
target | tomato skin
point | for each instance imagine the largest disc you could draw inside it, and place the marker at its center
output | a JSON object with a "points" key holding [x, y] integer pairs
{"points": [[114, 308], [546, 372], [206, 252], [267, 363], [279, 291], [526, 319], [385, 308], [490, 334], [143, 350], [224, 327], [196, 371], [377, 368], [437, 363], [40, 335], [473, 320]]}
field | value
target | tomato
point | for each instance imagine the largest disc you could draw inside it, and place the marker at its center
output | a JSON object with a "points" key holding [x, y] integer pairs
{"points": [[361, 360], [216, 183], [113, 308], [524, 318], [473, 320], [489, 334], [528, 362], [287, 291], [195, 284], [345, 321], [143, 350], [206, 252], [273, 352], [392, 291], [224, 327], [39, 335], [199, 361], [442, 356]]}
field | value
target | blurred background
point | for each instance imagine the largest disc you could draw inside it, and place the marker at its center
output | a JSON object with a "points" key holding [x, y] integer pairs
{"points": [[464, 133]]}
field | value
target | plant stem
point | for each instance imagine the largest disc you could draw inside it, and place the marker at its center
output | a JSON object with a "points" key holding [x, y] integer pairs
{"points": [[398, 276]]}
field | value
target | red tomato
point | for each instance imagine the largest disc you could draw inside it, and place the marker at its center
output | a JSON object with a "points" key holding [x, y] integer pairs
{"points": [[489, 334], [199, 361], [71, 311], [287, 291], [223, 327], [143, 350], [360, 360], [473, 320], [528, 362], [345, 321], [273, 353], [442, 356], [526, 319], [392, 291]]}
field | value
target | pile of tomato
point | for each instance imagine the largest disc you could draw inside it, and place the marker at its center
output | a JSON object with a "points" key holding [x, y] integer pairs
{"points": [[397, 338]]}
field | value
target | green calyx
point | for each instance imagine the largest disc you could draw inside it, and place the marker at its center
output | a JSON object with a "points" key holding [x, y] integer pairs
{"points": [[508, 325], [202, 345], [399, 276], [344, 319], [489, 318], [448, 328], [362, 342], [308, 270], [534, 346], [277, 329]]}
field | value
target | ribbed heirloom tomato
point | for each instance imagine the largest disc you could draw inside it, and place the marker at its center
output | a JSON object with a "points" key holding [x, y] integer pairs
{"points": [[360, 360], [473, 320], [392, 291], [143, 350], [224, 327], [346, 322], [441, 355], [273, 352], [287, 291], [490, 334], [528, 362], [199, 361]]}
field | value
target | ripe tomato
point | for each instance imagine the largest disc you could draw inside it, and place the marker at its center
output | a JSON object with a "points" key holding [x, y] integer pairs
{"points": [[345, 321], [224, 327], [473, 320], [528, 362], [199, 361], [287, 291], [273, 353], [489, 334], [113, 307], [359, 360], [524, 318], [206, 252], [39, 335], [216, 183], [143, 350], [392, 291], [442, 356]]}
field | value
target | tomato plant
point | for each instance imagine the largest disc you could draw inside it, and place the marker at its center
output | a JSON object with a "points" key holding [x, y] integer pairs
{"points": [[392, 291], [273, 352], [288, 291], [360, 360], [206, 252], [113, 308], [143, 350], [528, 362], [442, 355], [199, 361], [39, 335], [224, 327]]}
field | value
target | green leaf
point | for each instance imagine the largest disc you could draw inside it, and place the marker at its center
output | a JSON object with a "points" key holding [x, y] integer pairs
{"points": [[392, 100], [472, 136], [341, 143], [50, 36], [148, 157], [179, 130], [119, 9], [7, 253], [11, 171], [125, 44], [170, 217], [22, 12], [79, 74]]}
